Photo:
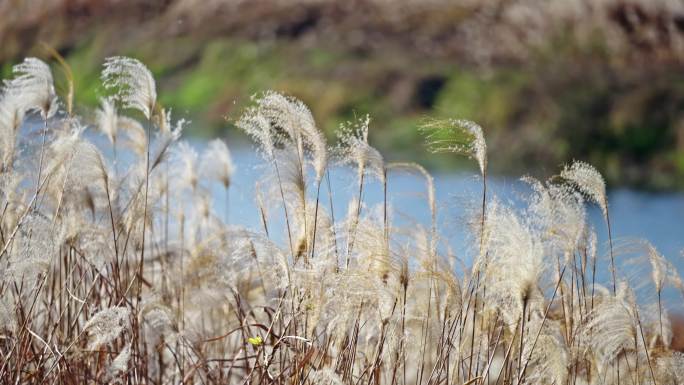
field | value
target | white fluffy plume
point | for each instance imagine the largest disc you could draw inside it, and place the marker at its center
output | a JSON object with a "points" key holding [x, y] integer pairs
{"points": [[106, 325], [459, 136], [291, 122], [515, 261], [258, 127], [11, 117], [120, 363], [33, 87], [107, 119], [188, 160], [589, 181], [133, 82], [355, 150], [217, 163]]}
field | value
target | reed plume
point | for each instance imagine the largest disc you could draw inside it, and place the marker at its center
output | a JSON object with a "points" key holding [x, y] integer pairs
{"points": [[458, 136], [354, 149], [106, 325], [33, 86], [119, 269], [217, 164], [591, 183], [133, 82]]}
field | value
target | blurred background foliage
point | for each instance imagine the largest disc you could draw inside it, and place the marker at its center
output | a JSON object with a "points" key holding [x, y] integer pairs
{"points": [[549, 80]]}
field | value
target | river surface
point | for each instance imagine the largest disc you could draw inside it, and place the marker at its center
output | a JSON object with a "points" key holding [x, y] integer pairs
{"points": [[657, 217]]}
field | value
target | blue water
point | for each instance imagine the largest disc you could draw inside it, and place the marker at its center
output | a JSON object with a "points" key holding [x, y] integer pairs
{"points": [[657, 217]]}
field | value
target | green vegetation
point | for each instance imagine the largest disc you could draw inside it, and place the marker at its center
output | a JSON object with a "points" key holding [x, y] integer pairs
{"points": [[548, 82], [631, 126]]}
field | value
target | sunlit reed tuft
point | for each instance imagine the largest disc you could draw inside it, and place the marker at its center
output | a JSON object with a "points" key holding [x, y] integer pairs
{"points": [[118, 266]]}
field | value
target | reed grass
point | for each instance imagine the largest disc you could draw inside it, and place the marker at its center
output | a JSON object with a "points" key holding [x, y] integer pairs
{"points": [[121, 268]]}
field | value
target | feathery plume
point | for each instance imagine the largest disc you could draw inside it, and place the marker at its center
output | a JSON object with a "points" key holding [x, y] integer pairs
{"points": [[107, 119], [165, 140], [612, 325], [549, 358], [292, 121], [134, 133], [120, 363], [11, 113], [287, 115], [258, 127], [458, 136], [326, 376], [157, 322], [33, 87], [133, 82], [106, 325], [319, 150], [33, 250], [355, 150], [671, 369], [558, 213], [187, 157], [660, 267], [405, 304], [217, 163], [11, 117], [589, 181], [515, 262], [662, 272]]}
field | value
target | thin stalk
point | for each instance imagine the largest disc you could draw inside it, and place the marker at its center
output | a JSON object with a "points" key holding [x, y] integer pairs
{"points": [[491, 356], [144, 218], [546, 314], [472, 331], [484, 209], [477, 285], [139, 275], [593, 281], [315, 224], [660, 314], [403, 331], [227, 203], [352, 231], [384, 208], [425, 332], [643, 339], [287, 216], [181, 305], [636, 359], [42, 156], [522, 337], [506, 357], [115, 268], [610, 242], [167, 207], [332, 217]]}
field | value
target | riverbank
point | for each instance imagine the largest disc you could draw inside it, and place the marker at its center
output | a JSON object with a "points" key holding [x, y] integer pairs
{"points": [[600, 83]]}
